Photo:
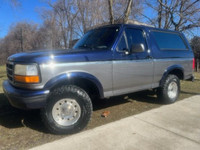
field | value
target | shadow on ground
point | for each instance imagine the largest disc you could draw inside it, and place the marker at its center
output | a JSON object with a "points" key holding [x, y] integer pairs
{"points": [[14, 118], [190, 93], [196, 80], [144, 96], [11, 117]]}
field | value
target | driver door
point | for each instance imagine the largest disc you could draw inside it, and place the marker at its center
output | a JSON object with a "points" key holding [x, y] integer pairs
{"points": [[131, 71]]}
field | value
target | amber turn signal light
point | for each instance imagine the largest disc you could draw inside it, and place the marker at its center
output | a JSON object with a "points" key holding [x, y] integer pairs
{"points": [[27, 79]]}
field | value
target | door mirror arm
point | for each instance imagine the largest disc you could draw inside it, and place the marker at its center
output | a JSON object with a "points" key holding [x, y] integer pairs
{"points": [[125, 51]]}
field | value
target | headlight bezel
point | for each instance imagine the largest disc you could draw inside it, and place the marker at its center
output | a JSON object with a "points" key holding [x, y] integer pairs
{"points": [[25, 75]]}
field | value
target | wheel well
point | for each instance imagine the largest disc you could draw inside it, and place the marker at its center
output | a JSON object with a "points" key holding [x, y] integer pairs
{"points": [[178, 73], [85, 84], [88, 86]]}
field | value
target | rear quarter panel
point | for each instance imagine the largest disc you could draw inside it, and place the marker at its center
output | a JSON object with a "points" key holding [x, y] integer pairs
{"points": [[164, 59]]}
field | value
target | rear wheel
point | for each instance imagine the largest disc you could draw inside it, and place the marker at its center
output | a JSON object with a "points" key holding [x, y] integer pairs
{"points": [[170, 89], [68, 110]]}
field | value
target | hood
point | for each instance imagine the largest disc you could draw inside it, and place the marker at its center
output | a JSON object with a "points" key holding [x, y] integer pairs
{"points": [[47, 56]]}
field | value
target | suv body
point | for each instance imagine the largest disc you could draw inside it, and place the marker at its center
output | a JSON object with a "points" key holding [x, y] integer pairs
{"points": [[108, 61]]}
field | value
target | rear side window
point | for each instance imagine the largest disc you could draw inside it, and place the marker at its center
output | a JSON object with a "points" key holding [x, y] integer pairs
{"points": [[169, 41]]}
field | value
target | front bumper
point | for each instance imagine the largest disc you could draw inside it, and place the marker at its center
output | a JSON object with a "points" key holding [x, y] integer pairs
{"points": [[25, 99]]}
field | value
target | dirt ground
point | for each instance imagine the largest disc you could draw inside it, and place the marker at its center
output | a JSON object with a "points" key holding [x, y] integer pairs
{"points": [[24, 129]]}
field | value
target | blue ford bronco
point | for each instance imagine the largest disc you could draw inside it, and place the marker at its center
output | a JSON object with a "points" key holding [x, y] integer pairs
{"points": [[107, 61]]}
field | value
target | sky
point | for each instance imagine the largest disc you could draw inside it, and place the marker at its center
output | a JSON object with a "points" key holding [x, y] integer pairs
{"points": [[26, 11]]}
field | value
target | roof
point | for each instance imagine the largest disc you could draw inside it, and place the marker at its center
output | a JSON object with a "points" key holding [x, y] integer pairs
{"points": [[132, 23]]}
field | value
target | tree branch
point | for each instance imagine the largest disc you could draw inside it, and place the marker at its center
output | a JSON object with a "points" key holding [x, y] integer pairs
{"points": [[128, 11], [110, 7]]}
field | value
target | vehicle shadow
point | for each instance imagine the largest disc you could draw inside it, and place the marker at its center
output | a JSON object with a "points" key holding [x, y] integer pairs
{"points": [[144, 96], [196, 80], [11, 117], [190, 93]]}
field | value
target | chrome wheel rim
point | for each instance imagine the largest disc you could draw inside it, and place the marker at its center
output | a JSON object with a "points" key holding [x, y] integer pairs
{"points": [[66, 112], [172, 90]]}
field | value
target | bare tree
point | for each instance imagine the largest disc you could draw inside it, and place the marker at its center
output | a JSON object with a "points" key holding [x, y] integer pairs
{"points": [[83, 8], [90, 13], [120, 10], [22, 35], [128, 10], [179, 15], [59, 9], [20, 38], [87, 13], [110, 8], [64, 18]]}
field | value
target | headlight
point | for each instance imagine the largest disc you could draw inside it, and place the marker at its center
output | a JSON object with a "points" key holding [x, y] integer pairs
{"points": [[26, 73], [26, 70]]}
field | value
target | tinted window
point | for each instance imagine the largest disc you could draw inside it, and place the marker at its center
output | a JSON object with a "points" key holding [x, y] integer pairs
{"points": [[169, 41], [135, 36], [101, 38]]}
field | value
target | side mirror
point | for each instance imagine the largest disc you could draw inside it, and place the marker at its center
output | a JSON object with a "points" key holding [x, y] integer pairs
{"points": [[137, 48]]}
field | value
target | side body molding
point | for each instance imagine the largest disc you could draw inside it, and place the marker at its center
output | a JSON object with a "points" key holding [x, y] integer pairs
{"points": [[70, 77], [170, 69]]}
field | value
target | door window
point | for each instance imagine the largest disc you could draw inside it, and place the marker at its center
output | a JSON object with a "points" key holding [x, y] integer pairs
{"points": [[135, 36]]}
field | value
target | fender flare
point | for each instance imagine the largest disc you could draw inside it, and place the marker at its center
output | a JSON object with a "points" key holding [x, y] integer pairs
{"points": [[69, 77], [169, 69]]}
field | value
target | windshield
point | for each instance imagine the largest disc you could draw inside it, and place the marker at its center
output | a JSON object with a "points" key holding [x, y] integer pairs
{"points": [[101, 38]]}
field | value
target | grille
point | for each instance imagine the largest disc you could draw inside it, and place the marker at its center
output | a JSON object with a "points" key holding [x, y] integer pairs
{"points": [[10, 71]]}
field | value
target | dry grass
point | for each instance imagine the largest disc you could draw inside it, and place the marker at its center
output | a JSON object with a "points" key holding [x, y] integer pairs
{"points": [[2, 76], [190, 88]]}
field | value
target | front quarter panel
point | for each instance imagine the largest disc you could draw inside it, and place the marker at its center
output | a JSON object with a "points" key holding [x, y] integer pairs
{"points": [[99, 72], [70, 77]]}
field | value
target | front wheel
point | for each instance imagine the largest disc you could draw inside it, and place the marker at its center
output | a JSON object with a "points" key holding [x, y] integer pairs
{"points": [[68, 110], [170, 89]]}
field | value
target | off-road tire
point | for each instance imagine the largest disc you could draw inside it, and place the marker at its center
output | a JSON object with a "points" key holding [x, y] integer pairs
{"points": [[67, 91], [163, 90]]}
